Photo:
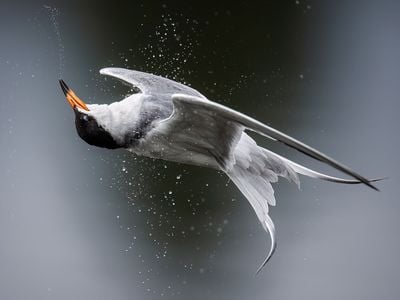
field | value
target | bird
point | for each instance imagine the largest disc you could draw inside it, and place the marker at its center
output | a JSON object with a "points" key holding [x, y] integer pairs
{"points": [[168, 120]]}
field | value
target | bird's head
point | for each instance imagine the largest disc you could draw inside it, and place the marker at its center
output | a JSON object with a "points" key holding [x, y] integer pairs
{"points": [[91, 121]]}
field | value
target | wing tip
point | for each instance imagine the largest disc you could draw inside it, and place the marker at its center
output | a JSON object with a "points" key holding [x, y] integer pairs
{"points": [[368, 182], [108, 70], [374, 187], [314, 174]]}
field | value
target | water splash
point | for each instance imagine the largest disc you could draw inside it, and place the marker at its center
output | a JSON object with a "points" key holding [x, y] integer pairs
{"points": [[53, 13]]}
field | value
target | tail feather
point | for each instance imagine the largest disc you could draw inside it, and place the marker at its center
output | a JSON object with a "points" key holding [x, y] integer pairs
{"points": [[271, 229], [314, 174], [259, 202], [253, 171]]}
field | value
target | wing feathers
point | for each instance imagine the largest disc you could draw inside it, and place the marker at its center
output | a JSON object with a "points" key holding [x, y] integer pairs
{"points": [[253, 167], [149, 83], [314, 174], [267, 131]]}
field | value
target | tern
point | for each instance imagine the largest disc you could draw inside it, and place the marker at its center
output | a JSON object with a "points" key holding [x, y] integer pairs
{"points": [[167, 120]]}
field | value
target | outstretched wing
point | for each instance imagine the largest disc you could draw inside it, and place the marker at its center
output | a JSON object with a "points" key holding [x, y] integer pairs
{"points": [[200, 125], [206, 127], [185, 105], [150, 84]]}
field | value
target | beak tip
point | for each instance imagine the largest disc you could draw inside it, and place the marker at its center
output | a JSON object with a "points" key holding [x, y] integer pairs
{"points": [[73, 99], [64, 86]]}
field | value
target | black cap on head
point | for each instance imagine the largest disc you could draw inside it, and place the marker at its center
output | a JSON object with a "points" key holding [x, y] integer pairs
{"points": [[92, 133]]}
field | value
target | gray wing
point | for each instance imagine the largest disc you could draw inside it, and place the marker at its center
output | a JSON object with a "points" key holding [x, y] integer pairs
{"points": [[150, 84], [202, 133], [218, 130], [185, 105]]}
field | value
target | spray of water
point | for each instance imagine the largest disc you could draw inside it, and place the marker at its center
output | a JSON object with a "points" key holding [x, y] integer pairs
{"points": [[53, 13]]}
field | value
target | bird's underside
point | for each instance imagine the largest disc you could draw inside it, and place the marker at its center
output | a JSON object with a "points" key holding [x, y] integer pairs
{"points": [[201, 132]]}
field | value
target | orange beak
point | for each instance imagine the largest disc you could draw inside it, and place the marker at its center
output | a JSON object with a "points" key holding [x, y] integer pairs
{"points": [[72, 98]]}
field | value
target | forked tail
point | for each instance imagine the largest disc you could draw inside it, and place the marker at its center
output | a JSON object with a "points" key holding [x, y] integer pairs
{"points": [[254, 170]]}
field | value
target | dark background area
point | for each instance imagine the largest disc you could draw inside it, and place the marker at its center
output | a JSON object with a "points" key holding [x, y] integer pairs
{"points": [[77, 222]]}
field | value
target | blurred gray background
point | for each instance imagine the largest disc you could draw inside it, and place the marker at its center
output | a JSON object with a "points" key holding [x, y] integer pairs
{"points": [[77, 222]]}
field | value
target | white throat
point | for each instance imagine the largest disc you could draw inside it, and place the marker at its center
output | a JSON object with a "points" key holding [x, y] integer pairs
{"points": [[118, 118]]}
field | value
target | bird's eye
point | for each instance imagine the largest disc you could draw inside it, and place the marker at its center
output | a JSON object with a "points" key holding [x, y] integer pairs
{"points": [[85, 118]]}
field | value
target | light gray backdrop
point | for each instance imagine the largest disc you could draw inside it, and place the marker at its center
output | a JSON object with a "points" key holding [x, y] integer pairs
{"points": [[78, 222]]}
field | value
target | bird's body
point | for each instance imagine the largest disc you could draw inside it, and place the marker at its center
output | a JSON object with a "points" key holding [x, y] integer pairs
{"points": [[170, 121]]}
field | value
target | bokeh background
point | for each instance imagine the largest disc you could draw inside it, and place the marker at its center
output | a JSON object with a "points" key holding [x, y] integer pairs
{"points": [[77, 222]]}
